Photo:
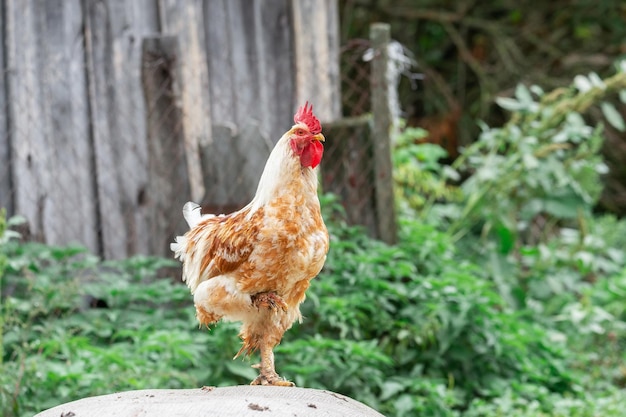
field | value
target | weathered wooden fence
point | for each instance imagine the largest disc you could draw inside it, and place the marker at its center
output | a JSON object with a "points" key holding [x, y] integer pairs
{"points": [[113, 113]]}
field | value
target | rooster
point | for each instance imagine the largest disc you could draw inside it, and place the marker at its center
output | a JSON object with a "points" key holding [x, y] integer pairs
{"points": [[254, 265]]}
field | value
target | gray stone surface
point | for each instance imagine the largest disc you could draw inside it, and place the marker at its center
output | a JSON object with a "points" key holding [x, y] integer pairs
{"points": [[258, 401]]}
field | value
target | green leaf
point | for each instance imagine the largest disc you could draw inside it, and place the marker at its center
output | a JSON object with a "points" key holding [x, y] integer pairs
{"points": [[510, 104], [530, 162], [390, 389], [241, 369], [596, 80], [563, 208], [613, 116], [535, 89], [582, 83], [507, 239], [523, 95], [16, 220]]}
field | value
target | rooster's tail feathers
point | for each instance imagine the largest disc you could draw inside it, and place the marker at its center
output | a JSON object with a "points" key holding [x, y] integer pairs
{"points": [[192, 213], [179, 247]]}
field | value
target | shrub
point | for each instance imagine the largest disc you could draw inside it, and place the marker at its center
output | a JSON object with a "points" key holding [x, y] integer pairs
{"points": [[436, 332]]}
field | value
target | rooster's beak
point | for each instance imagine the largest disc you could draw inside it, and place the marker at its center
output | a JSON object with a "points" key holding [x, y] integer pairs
{"points": [[319, 137]]}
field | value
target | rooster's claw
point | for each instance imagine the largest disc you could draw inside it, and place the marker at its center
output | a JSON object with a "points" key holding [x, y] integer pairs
{"points": [[270, 301], [273, 379]]}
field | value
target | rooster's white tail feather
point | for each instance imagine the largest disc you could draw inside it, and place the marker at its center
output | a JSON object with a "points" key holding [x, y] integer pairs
{"points": [[192, 213], [178, 247]]}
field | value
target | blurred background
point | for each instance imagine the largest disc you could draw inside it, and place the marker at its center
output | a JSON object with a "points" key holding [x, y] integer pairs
{"points": [[113, 114]]}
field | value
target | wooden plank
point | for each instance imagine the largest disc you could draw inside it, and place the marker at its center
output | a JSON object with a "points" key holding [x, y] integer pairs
{"points": [[48, 109], [273, 44], [6, 186], [250, 45], [253, 148], [113, 33], [72, 199], [218, 49], [255, 111], [249, 49], [244, 62], [231, 173], [161, 78], [218, 175], [381, 128], [25, 113], [316, 57], [248, 61], [184, 20], [251, 143]]}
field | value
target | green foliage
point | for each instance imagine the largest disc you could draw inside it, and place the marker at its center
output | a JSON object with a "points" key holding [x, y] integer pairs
{"points": [[510, 405], [419, 177], [414, 329], [542, 168], [404, 329], [441, 329], [77, 327], [407, 329]]}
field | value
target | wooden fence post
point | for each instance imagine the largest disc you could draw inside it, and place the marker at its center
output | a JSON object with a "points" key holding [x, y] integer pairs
{"points": [[381, 140]]}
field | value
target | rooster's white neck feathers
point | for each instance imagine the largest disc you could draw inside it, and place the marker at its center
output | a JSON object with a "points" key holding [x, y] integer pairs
{"points": [[283, 171]]}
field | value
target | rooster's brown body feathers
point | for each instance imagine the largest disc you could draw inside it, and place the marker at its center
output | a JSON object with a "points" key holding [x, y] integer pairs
{"points": [[254, 265]]}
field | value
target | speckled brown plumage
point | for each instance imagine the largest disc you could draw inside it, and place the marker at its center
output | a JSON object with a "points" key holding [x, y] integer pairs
{"points": [[256, 264]]}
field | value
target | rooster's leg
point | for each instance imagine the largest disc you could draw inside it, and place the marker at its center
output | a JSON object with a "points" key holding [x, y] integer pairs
{"points": [[268, 375], [273, 304]]}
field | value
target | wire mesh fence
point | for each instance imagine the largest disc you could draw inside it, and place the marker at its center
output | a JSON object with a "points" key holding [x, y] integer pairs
{"points": [[357, 165], [347, 169], [355, 77], [107, 128]]}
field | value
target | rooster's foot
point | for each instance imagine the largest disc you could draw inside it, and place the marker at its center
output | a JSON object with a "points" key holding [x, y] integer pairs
{"points": [[270, 301], [272, 378]]}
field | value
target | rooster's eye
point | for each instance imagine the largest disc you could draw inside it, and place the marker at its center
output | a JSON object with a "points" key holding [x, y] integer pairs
{"points": [[299, 132]]}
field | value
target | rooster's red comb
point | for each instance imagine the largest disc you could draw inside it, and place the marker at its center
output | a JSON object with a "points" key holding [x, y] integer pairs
{"points": [[305, 115]]}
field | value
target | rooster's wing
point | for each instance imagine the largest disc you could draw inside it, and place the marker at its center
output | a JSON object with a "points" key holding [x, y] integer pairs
{"points": [[217, 245]]}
